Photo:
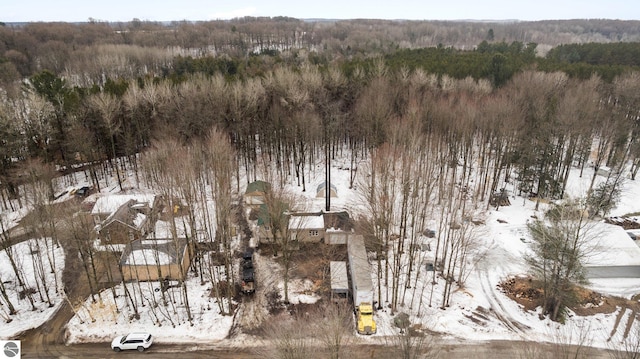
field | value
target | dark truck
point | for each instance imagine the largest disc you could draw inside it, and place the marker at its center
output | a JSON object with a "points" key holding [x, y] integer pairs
{"points": [[248, 283]]}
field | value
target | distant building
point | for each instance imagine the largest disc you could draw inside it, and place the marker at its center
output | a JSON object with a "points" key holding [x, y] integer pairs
{"points": [[331, 227], [302, 227], [604, 171], [255, 193], [264, 229], [338, 227], [321, 190]]}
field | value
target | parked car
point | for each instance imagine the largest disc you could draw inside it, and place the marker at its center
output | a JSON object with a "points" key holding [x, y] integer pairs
{"points": [[138, 341], [248, 283]]}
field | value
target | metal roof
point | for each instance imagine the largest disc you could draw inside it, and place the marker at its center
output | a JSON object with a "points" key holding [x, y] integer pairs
{"points": [[339, 280], [359, 263]]}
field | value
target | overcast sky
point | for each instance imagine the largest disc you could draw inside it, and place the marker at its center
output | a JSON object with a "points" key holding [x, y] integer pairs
{"points": [[165, 10]]}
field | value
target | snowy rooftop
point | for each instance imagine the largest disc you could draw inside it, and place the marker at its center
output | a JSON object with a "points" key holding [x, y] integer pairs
{"points": [[611, 246], [154, 252], [339, 280], [146, 256], [109, 204], [323, 185], [360, 269], [163, 228], [306, 222], [139, 219]]}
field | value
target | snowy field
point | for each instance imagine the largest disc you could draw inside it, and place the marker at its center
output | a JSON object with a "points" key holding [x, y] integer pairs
{"points": [[479, 311]]}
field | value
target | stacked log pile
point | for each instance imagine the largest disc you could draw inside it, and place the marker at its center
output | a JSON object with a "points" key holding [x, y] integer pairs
{"points": [[624, 222]]}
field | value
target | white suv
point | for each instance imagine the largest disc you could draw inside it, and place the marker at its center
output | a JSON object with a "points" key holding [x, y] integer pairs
{"points": [[139, 341]]}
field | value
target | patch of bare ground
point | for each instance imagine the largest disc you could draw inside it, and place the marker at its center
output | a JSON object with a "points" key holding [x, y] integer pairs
{"points": [[528, 292], [310, 262]]}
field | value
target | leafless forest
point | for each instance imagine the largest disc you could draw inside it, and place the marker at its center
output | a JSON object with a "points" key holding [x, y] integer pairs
{"points": [[84, 93], [185, 105]]}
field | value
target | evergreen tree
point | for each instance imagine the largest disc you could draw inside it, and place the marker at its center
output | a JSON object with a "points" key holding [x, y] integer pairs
{"points": [[559, 249]]}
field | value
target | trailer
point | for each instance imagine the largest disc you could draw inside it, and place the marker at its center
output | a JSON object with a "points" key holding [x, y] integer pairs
{"points": [[339, 280], [361, 285]]}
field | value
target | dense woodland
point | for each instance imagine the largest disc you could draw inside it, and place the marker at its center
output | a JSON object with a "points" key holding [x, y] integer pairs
{"points": [[76, 94], [447, 113]]}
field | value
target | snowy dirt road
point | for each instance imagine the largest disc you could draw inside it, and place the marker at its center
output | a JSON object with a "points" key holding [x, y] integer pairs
{"points": [[490, 271], [253, 310]]}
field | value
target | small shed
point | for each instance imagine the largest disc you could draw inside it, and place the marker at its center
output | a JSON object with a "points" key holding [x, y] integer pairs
{"points": [[603, 171], [336, 237], [155, 259], [339, 280], [254, 195], [338, 227], [264, 220], [321, 190]]}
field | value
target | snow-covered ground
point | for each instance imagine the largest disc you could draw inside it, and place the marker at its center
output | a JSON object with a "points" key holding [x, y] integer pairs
{"points": [[29, 315], [479, 311], [167, 320]]}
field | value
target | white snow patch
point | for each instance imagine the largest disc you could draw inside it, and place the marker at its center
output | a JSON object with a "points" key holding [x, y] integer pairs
{"points": [[28, 316], [148, 256]]}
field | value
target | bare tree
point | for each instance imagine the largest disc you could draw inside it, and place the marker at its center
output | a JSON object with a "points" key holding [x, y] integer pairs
{"points": [[42, 221], [284, 216], [561, 244], [411, 343], [5, 243], [220, 156], [571, 341], [35, 115], [286, 338], [11, 141], [333, 323], [244, 101], [108, 106], [378, 192], [162, 168], [6, 301], [80, 234]]}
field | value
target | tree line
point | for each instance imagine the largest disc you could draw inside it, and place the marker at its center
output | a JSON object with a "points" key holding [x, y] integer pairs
{"points": [[620, 53], [290, 111], [125, 47]]}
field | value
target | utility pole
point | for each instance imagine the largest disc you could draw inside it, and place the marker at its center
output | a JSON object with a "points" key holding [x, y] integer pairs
{"points": [[327, 173]]}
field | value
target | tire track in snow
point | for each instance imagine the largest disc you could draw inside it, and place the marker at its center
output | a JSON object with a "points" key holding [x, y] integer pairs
{"points": [[491, 264]]}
